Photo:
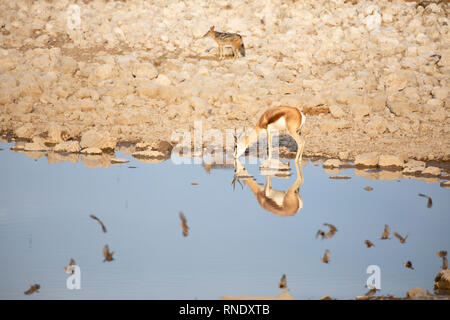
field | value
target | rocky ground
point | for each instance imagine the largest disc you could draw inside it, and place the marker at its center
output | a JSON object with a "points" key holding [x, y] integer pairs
{"points": [[441, 289], [371, 76]]}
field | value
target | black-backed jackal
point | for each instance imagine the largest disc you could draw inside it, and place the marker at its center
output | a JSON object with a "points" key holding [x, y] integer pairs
{"points": [[224, 38]]}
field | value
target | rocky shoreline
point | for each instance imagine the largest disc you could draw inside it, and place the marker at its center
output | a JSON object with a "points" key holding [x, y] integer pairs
{"points": [[372, 77], [158, 151]]}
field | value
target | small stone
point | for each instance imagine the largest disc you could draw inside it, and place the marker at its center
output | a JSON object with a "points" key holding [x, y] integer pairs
{"points": [[340, 177], [119, 160], [332, 163], [149, 154]]}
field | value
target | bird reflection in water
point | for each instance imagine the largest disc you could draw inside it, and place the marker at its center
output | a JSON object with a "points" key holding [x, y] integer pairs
{"points": [[283, 203]]}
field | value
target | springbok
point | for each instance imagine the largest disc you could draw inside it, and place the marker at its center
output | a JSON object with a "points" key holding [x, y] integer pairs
{"points": [[278, 118]]}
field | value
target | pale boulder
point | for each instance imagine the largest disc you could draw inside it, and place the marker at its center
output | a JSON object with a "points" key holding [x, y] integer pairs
{"points": [[68, 146], [337, 112], [35, 146], [163, 80], [401, 108], [148, 91], [26, 131], [373, 21], [413, 167], [367, 159], [8, 95], [399, 80], [200, 105], [145, 70], [8, 81], [432, 171], [360, 109], [56, 134], [103, 72], [435, 102], [9, 61], [376, 126], [97, 139], [387, 160], [440, 93], [67, 65]]}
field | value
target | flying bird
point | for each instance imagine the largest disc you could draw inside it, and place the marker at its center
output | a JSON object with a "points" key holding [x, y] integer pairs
{"points": [[372, 291], [99, 222], [184, 224], [107, 254], [409, 265], [385, 234], [70, 268], [332, 230], [320, 233], [443, 254], [430, 201], [369, 244], [329, 234], [326, 257], [282, 284], [399, 237], [33, 288]]}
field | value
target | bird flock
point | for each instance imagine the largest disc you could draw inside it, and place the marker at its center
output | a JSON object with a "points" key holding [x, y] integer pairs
{"points": [[385, 235], [332, 230], [107, 254]]}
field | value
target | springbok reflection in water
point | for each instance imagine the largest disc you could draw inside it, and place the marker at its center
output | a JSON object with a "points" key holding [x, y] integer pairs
{"points": [[283, 203]]}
